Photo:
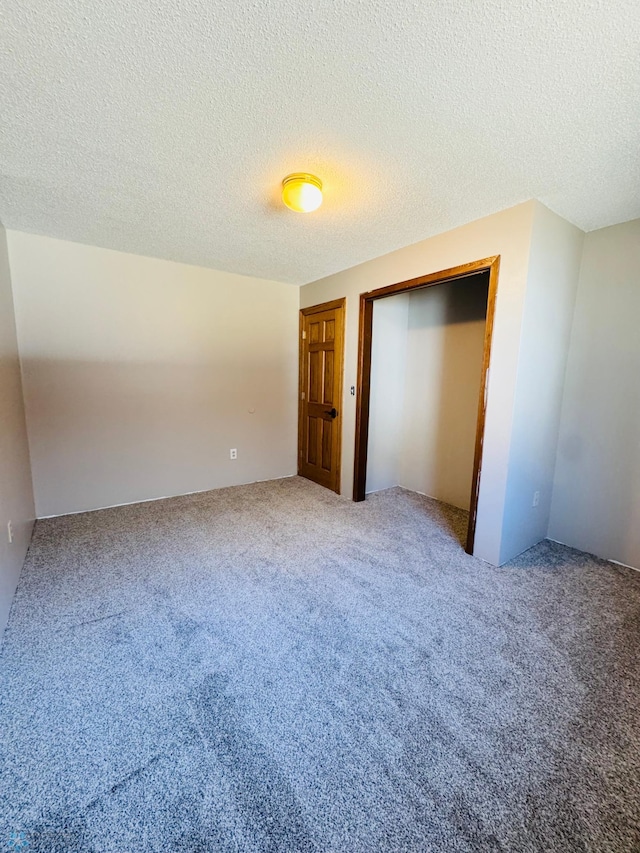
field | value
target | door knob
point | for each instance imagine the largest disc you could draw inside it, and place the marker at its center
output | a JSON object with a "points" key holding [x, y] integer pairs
{"points": [[333, 413]]}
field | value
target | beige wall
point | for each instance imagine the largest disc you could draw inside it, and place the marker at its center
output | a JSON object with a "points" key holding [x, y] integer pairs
{"points": [[388, 381], [16, 494], [444, 367], [507, 234], [554, 268], [596, 498], [141, 374]]}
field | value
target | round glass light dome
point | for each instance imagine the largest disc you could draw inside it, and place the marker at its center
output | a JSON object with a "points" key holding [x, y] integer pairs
{"points": [[302, 192]]}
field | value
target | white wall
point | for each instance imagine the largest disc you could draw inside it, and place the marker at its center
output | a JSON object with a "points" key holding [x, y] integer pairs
{"points": [[554, 267], [596, 498], [507, 234], [141, 374], [388, 380], [444, 370], [16, 494]]}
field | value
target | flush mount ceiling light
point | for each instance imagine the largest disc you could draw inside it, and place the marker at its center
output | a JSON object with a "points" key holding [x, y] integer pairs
{"points": [[302, 192]]}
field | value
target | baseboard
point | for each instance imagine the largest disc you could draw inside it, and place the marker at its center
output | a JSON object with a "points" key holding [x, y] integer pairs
{"points": [[22, 542], [607, 559], [432, 498], [416, 492], [162, 498], [375, 491], [625, 565]]}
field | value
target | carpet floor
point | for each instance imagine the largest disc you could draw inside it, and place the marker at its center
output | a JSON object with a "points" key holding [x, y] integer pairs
{"points": [[274, 668]]}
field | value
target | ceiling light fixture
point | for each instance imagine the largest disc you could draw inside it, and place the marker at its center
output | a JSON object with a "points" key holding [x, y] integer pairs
{"points": [[302, 192]]}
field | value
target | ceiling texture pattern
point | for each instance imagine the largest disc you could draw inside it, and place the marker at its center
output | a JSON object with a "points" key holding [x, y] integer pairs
{"points": [[165, 128]]}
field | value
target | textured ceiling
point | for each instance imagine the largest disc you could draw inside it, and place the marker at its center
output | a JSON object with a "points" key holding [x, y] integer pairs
{"points": [[165, 128]]}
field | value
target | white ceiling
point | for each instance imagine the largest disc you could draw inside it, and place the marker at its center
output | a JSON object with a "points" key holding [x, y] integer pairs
{"points": [[165, 128]]}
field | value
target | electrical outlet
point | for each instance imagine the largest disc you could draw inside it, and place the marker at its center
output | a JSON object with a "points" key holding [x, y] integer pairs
{"points": [[9, 532], [233, 454], [536, 498]]}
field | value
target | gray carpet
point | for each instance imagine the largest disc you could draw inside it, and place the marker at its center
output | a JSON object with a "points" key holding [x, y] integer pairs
{"points": [[274, 668]]}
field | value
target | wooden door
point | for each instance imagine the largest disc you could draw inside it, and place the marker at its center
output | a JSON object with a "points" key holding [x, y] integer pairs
{"points": [[320, 404]]}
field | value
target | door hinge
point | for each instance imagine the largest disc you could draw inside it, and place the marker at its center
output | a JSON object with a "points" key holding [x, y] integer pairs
{"points": [[303, 396], [304, 335]]}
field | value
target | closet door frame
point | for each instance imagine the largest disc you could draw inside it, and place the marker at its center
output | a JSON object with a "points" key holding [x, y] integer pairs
{"points": [[363, 387]]}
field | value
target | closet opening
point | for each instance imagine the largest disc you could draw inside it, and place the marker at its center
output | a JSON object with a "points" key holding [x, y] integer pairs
{"points": [[424, 347]]}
